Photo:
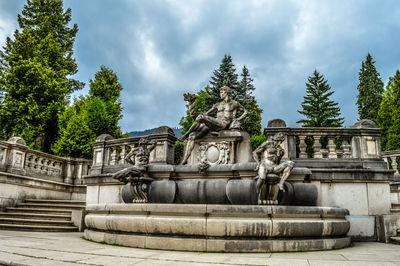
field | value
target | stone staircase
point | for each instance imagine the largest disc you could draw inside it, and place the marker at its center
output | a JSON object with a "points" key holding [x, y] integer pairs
{"points": [[41, 215]]}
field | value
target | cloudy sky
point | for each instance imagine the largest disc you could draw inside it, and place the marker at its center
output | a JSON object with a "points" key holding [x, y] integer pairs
{"points": [[161, 49]]}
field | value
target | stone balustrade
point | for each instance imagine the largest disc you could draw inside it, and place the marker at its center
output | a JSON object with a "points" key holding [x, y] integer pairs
{"points": [[109, 153], [392, 158], [361, 141], [17, 158]]}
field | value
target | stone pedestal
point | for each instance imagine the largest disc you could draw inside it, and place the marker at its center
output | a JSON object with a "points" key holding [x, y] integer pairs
{"points": [[226, 147]]}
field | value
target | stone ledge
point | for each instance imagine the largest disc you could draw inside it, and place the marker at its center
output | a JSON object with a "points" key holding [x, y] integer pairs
{"points": [[217, 245], [33, 182]]}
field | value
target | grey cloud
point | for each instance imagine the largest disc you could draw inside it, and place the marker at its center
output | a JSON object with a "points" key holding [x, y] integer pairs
{"points": [[161, 49]]}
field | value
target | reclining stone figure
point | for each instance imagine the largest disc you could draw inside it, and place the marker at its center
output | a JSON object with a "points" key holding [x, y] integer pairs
{"points": [[271, 172], [135, 175], [226, 111]]}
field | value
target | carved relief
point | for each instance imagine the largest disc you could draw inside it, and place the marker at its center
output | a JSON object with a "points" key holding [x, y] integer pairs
{"points": [[214, 152]]}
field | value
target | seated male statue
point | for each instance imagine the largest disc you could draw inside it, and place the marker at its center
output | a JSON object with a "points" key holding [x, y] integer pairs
{"points": [[271, 172], [226, 111], [139, 157]]}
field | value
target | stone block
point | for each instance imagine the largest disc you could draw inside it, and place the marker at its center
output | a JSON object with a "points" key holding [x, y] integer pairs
{"points": [[387, 226], [287, 228], [183, 209], [163, 191], [242, 192], [378, 198], [256, 211], [352, 196], [184, 244], [362, 227], [173, 225], [126, 223], [110, 194], [239, 245], [239, 227], [92, 194], [96, 221]]}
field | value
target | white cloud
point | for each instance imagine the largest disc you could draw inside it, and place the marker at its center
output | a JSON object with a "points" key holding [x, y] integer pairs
{"points": [[7, 27]]}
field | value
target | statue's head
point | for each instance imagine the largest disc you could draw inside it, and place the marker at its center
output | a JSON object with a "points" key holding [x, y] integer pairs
{"points": [[279, 137], [224, 90], [189, 97]]}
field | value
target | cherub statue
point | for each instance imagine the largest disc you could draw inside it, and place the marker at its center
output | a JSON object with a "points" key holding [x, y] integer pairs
{"points": [[271, 172], [204, 123]]}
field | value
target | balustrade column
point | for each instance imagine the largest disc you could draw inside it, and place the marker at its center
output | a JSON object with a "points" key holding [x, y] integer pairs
{"points": [[394, 163], [303, 147], [346, 148], [123, 154], [113, 156], [317, 147], [332, 148]]}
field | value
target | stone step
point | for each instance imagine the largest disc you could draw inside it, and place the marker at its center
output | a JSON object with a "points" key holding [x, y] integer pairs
{"points": [[39, 228], [50, 206], [396, 210], [43, 216], [395, 239], [21, 221], [62, 202], [39, 210], [396, 205]]}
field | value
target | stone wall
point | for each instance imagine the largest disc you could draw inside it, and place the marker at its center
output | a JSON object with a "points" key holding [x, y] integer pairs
{"points": [[26, 173]]}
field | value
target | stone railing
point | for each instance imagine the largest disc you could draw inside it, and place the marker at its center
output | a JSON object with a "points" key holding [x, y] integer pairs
{"points": [[109, 153], [361, 141], [17, 158], [392, 158]]}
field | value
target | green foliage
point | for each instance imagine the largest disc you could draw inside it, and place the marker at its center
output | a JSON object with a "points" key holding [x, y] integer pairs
{"points": [[389, 114], [99, 112], [318, 109], [34, 70], [179, 147], [225, 75], [370, 90], [241, 91], [256, 141]]}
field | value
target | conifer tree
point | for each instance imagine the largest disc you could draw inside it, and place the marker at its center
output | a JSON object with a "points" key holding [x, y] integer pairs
{"points": [[34, 73], [389, 114], [370, 90], [252, 123], [318, 109], [225, 75], [100, 112]]}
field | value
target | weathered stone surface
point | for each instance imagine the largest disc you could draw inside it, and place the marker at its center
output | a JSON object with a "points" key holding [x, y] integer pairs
{"points": [[362, 227], [202, 191], [241, 192], [378, 198], [304, 194], [162, 191], [218, 245]]}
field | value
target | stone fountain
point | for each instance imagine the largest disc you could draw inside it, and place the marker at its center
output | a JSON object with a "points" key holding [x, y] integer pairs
{"points": [[223, 196]]}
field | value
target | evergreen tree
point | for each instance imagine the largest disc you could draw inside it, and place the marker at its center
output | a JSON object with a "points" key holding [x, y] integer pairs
{"points": [[34, 73], [225, 75], [252, 123], [389, 114], [318, 109], [370, 90], [100, 112]]}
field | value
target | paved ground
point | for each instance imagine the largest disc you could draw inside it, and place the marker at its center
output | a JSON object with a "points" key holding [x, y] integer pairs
{"points": [[33, 248]]}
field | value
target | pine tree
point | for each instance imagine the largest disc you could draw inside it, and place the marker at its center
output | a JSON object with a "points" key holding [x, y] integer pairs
{"points": [[225, 75], [389, 114], [318, 109], [252, 123], [100, 111], [35, 66], [370, 90]]}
